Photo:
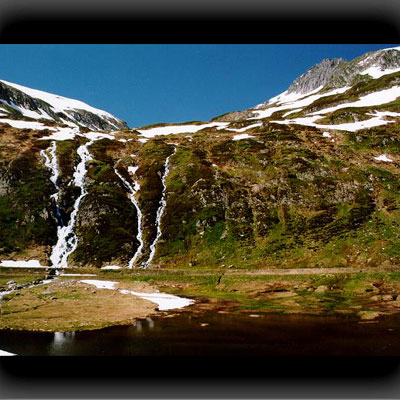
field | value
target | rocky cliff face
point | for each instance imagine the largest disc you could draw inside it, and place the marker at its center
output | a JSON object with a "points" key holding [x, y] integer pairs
{"points": [[317, 76]]}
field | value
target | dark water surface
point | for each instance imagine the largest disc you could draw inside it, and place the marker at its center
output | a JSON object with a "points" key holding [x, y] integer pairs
{"points": [[214, 334]]}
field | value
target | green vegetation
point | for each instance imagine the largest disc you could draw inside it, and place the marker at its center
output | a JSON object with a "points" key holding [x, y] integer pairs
{"points": [[25, 209]]}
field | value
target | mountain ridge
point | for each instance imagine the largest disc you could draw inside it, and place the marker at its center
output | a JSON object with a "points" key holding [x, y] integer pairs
{"points": [[36, 104]]}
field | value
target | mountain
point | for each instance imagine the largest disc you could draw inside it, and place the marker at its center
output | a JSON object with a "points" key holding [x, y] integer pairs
{"points": [[309, 178], [20, 101]]}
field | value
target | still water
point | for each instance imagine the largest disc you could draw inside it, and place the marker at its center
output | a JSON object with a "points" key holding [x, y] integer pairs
{"points": [[215, 334]]}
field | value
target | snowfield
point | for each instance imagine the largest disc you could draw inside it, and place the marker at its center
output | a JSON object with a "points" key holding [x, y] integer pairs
{"points": [[58, 103]]}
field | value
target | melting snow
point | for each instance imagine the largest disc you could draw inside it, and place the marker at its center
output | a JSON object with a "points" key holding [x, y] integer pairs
{"points": [[22, 264], [245, 128], [111, 267], [375, 72], [242, 136], [165, 301], [62, 134], [100, 284], [296, 104], [286, 97], [38, 126], [384, 158], [351, 126], [6, 353], [326, 134], [372, 99], [172, 129], [291, 112], [132, 170]]}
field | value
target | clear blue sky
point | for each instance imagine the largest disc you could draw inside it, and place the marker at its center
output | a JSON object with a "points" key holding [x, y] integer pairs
{"points": [[144, 84]]}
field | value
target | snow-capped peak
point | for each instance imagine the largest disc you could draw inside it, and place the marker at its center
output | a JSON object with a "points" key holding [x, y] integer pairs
{"points": [[37, 104]]}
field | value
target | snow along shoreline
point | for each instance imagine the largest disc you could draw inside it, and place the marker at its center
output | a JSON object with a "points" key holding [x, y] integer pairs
{"points": [[164, 301]]}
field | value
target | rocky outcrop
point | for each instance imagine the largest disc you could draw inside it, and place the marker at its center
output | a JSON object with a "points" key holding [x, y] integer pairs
{"points": [[318, 75]]}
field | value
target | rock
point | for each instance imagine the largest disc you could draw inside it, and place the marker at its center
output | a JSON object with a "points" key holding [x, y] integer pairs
{"points": [[316, 76], [321, 289], [369, 315]]}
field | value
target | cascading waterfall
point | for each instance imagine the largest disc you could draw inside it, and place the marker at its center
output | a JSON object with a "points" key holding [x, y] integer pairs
{"points": [[132, 192], [52, 164], [67, 240], [160, 210]]}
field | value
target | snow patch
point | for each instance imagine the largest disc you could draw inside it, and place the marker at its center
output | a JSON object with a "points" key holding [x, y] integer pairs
{"points": [[384, 158], [163, 300], [245, 128], [22, 264], [62, 134], [37, 126], [111, 267], [6, 353], [173, 129], [296, 104], [100, 284], [351, 126], [376, 72], [372, 99], [242, 136]]}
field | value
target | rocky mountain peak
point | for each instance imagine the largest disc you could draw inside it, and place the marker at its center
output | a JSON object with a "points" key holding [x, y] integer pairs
{"points": [[316, 76], [18, 101]]}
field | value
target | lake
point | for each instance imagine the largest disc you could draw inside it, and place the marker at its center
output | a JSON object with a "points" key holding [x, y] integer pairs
{"points": [[219, 334]]}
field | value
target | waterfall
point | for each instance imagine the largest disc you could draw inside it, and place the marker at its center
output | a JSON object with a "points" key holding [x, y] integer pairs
{"points": [[160, 211], [67, 240], [52, 164], [132, 192]]}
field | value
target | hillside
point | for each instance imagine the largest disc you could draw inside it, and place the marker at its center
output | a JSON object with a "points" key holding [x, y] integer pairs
{"points": [[308, 179]]}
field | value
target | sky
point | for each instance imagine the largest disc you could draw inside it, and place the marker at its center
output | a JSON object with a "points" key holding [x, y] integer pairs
{"points": [[147, 84]]}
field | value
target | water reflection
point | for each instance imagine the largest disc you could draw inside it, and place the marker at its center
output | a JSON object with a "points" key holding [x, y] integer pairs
{"points": [[150, 323], [62, 339], [217, 334]]}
